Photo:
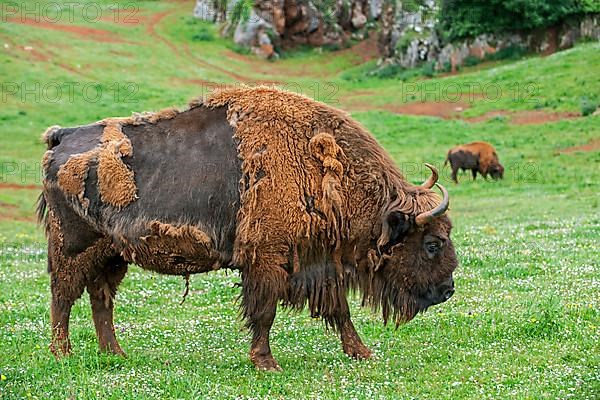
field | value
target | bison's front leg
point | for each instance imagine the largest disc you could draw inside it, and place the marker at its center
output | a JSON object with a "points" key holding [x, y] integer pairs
{"points": [[262, 289], [351, 342]]}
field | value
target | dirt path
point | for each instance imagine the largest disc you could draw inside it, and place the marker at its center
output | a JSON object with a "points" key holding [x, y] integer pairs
{"points": [[14, 186], [592, 145], [153, 21], [9, 212], [185, 52], [366, 50], [97, 35], [454, 110]]}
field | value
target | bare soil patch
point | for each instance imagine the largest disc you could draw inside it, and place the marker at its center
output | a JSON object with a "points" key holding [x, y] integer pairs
{"points": [[366, 50], [360, 101], [12, 217], [128, 17], [446, 110], [592, 145], [438, 109], [534, 117], [540, 117]]}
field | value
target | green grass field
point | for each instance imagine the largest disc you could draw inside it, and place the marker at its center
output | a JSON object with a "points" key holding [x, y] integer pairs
{"points": [[523, 324]]}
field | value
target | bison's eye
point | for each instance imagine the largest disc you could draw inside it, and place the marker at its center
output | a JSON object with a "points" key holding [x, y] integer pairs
{"points": [[432, 246]]}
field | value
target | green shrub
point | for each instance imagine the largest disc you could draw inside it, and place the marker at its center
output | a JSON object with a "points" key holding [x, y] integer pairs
{"points": [[447, 67], [588, 106], [203, 35], [471, 61], [387, 71], [239, 49], [332, 47], [241, 11], [404, 41], [512, 52], [428, 69]]}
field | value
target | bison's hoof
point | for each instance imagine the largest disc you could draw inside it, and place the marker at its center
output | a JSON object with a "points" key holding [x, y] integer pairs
{"points": [[267, 364], [359, 352], [60, 348], [114, 351]]}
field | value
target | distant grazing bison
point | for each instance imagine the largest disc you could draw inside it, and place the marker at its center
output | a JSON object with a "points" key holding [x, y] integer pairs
{"points": [[292, 193], [478, 157]]}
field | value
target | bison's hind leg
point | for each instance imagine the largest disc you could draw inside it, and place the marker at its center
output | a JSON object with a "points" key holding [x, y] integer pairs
{"points": [[102, 288], [65, 292], [454, 172], [75, 252]]}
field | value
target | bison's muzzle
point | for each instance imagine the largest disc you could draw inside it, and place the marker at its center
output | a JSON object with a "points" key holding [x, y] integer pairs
{"points": [[440, 293]]}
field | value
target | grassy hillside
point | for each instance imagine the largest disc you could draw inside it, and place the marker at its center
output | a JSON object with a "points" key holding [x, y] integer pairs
{"points": [[524, 321]]}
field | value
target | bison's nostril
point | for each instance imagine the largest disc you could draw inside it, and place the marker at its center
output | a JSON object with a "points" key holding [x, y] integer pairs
{"points": [[448, 293]]}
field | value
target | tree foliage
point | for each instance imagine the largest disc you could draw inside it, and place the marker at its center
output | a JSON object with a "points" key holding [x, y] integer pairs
{"points": [[468, 18]]}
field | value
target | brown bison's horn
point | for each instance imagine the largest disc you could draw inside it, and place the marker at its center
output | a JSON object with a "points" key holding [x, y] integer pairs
{"points": [[427, 216], [428, 184]]}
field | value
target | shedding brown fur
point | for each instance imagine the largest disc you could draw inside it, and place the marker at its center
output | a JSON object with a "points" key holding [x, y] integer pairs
{"points": [[115, 180], [72, 174], [175, 250], [347, 160]]}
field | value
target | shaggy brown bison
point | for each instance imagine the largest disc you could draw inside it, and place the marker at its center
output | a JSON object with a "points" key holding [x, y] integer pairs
{"points": [[291, 192], [478, 157]]}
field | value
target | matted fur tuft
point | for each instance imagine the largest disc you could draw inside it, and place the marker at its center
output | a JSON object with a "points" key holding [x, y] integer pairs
{"points": [[115, 180], [72, 174]]}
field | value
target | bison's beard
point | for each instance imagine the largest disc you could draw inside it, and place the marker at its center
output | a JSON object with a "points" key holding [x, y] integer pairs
{"points": [[320, 288], [380, 292]]}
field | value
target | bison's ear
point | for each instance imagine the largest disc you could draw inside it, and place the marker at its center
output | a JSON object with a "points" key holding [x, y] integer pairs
{"points": [[393, 228]]}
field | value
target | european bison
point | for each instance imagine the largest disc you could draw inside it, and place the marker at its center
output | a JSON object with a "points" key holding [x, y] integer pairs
{"points": [[478, 157], [291, 192]]}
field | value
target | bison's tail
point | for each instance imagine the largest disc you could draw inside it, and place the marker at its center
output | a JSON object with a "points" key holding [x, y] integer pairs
{"points": [[447, 158], [40, 209], [52, 136]]}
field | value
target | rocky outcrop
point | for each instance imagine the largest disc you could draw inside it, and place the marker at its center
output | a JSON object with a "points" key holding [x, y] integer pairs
{"points": [[412, 39], [407, 30], [279, 23], [213, 10], [254, 34]]}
